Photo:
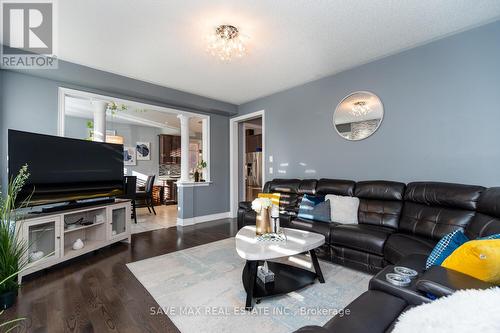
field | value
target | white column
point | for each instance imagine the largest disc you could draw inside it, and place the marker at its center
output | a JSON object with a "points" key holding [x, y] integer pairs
{"points": [[99, 120], [205, 147], [184, 119]]}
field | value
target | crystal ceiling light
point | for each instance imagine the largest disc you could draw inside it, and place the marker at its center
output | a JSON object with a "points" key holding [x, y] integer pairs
{"points": [[360, 109], [226, 43]]}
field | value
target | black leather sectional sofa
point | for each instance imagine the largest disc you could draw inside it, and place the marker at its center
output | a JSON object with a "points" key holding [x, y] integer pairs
{"points": [[398, 224], [395, 220]]}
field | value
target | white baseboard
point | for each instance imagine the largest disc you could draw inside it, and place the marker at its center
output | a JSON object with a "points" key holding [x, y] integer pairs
{"points": [[200, 219]]}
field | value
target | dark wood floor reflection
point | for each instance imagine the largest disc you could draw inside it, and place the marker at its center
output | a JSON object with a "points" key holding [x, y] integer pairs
{"points": [[97, 292]]}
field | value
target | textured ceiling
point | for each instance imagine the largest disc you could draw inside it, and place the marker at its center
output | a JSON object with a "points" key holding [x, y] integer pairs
{"points": [[290, 42]]}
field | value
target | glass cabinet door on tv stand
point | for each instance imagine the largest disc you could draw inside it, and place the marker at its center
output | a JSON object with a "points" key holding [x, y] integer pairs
{"points": [[43, 238], [118, 224]]}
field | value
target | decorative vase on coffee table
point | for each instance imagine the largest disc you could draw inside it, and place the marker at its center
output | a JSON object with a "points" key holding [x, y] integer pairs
{"points": [[263, 222]]}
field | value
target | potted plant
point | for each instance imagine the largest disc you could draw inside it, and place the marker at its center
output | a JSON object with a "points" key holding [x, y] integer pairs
{"points": [[9, 325], [13, 250], [199, 171]]}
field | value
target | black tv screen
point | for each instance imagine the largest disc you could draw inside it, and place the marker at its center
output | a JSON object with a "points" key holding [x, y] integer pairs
{"points": [[64, 169]]}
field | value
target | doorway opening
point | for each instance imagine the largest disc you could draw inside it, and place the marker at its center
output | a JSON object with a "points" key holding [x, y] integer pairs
{"points": [[247, 150], [250, 179]]}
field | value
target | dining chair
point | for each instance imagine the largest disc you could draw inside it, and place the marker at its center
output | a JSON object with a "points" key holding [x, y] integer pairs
{"points": [[147, 194]]}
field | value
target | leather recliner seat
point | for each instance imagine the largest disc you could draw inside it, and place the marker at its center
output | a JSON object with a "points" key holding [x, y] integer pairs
{"points": [[362, 245], [396, 222]]}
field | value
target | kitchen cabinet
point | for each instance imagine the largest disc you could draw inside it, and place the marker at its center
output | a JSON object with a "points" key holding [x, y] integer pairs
{"points": [[170, 149]]}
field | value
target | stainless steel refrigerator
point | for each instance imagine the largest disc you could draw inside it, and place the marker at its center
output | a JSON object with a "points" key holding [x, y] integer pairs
{"points": [[253, 174]]}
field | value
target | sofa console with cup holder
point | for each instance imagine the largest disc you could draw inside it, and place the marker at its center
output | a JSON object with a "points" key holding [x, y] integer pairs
{"points": [[378, 309]]}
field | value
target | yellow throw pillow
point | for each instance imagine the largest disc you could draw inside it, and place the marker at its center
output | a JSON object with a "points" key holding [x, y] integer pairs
{"points": [[477, 258], [275, 197]]}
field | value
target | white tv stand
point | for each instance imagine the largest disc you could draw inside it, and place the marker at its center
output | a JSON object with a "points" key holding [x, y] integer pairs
{"points": [[50, 236]]}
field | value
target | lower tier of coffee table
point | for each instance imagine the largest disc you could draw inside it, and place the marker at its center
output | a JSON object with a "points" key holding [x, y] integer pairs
{"points": [[287, 278]]}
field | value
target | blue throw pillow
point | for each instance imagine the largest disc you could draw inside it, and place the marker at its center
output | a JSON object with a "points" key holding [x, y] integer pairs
{"points": [[314, 208], [446, 245]]}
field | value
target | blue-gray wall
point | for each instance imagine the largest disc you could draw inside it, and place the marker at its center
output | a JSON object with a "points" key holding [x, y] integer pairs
{"points": [[442, 117], [30, 103], [94, 80]]}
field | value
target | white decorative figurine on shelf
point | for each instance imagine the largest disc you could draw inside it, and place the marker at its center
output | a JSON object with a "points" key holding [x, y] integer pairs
{"points": [[36, 255], [78, 244], [99, 218]]}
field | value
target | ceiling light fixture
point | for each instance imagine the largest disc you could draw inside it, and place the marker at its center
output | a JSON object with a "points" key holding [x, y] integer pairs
{"points": [[226, 43], [360, 109]]}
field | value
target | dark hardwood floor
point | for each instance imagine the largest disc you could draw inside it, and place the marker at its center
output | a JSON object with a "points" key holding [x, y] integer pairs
{"points": [[97, 292]]}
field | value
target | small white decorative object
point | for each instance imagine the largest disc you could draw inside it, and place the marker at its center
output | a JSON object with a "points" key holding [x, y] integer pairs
{"points": [[36, 255], [113, 232], [99, 218], [78, 244]]}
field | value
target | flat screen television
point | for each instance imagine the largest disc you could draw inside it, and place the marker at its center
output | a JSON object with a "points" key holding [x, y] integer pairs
{"points": [[64, 169]]}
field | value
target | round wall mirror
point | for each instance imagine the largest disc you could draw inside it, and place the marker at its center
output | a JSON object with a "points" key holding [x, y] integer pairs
{"points": [[358, 115]]}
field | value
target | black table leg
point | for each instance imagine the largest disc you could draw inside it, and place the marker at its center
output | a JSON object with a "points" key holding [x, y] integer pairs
{"points": [[315, 262], [252, 276]]}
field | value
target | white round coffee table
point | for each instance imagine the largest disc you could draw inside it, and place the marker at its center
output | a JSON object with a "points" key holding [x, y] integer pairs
{"points": [[287, 278]]}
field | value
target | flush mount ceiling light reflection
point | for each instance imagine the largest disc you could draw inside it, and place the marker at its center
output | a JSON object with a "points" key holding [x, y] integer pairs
{"points": [[227, 43], [360, 109], [114, 139]]}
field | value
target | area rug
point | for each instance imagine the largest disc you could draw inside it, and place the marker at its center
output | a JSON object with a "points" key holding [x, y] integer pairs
{"points": [[200, 289]]}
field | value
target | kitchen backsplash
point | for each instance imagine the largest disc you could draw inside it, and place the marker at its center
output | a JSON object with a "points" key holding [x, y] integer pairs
{"points": [[175, 169]]}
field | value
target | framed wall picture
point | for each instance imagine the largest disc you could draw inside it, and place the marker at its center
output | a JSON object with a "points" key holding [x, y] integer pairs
{"points": [[143, 151], [129, 156]]}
